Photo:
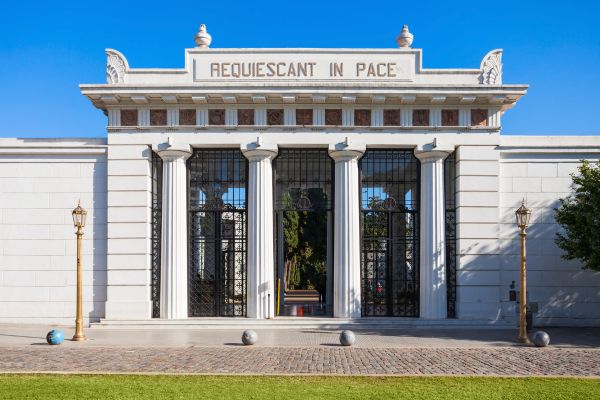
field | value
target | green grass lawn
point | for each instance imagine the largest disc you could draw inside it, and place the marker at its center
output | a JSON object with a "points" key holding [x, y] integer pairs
{"points": [[86, 387]]}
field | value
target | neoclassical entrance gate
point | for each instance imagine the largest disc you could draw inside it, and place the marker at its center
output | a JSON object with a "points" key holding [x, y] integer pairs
{"points": [[304, 217], [390, 231], [217, 233]]}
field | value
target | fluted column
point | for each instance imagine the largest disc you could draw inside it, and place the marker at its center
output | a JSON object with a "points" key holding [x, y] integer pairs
{"points": [[432, 248], [260, 275], [174, 260], [346, 243]]}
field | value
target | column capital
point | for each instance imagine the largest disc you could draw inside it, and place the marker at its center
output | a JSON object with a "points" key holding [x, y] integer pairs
{"points": [[346, 151], [173, 151], [259, 152], [432, 155]]}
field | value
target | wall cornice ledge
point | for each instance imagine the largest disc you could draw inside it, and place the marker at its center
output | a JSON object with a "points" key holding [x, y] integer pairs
{"points": [[549, 144], [40, 146]]}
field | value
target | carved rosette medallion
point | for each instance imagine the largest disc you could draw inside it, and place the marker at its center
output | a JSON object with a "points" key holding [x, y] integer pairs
{"points": [[333, 117]]}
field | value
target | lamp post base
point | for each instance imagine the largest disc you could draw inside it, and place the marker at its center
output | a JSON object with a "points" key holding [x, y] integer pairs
{"points": [[523, 340]]}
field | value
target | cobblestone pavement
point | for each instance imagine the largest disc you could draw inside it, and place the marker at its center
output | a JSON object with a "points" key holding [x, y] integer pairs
{"points": [[509, 361]]}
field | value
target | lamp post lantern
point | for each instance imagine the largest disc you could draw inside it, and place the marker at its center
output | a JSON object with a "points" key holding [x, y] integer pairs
{"points": [[523, 214], [79, 215]]}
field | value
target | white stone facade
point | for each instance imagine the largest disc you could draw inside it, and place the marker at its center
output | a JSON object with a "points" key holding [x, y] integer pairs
{"points": [[41, 181], [343, 101]]}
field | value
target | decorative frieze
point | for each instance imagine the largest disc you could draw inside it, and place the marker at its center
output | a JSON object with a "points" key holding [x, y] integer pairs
{"points": [[450, 118], [216, 117], [333, 117], [420, 117], [479, 117], [304, 116], [187, 117], [129, 117], [362, 117], [290, 116], [275, 117], [245, 116], [158, 117]]}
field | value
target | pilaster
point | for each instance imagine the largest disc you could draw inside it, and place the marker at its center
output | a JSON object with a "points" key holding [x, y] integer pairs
{"points": [[346, 244]]}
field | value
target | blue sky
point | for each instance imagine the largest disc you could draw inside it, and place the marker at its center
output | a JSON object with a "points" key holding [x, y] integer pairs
{"points": [[48, 48]]}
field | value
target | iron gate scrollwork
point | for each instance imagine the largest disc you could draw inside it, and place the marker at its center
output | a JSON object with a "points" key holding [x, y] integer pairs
{"points": [[390, 231], [217, 233], [157, 165], [450, 225]]}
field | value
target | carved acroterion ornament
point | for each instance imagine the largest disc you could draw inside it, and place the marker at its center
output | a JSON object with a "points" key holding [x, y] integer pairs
{"points": [[491, 68], [203, 38], [116, 67]]}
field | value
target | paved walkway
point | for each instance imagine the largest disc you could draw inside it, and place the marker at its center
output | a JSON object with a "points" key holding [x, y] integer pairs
{"points": [[575, 352]]}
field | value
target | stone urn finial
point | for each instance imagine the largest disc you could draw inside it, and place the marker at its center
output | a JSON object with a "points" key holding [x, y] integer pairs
{"points": [[405, 38], [203, 38]]}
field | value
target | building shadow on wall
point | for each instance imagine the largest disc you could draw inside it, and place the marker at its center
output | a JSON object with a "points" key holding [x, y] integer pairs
{"points": [[100, 242]]}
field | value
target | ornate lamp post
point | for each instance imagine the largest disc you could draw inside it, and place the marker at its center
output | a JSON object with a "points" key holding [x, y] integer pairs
{"points": [[523, 215], [79, 215]]}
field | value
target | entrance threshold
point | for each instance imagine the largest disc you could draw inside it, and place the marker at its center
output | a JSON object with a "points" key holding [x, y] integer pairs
{"points": [[301, 323]]}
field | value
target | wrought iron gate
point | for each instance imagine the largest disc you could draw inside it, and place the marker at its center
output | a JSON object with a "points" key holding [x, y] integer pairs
{"points": [[304, 216], [217, 233], [450, 212], [157, 165], [390, 231]]}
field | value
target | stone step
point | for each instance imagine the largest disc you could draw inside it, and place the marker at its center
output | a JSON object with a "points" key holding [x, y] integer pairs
{"points": [[301, 323]]}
